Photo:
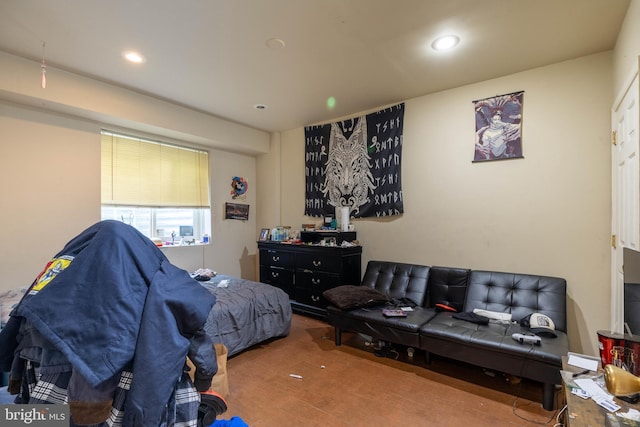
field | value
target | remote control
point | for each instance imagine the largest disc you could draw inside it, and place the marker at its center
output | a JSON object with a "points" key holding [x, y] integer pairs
{"points": [[528, 339]]}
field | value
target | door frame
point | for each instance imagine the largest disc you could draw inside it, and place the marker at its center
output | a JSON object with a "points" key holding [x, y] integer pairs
{"points": [[617, 248]]}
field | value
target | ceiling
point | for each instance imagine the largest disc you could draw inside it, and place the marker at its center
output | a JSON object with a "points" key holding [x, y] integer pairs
{"points": [[214, 55]]}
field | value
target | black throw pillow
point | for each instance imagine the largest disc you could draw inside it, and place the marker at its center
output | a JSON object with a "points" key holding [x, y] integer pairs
{"points": [[471, 317], [348, 297]]}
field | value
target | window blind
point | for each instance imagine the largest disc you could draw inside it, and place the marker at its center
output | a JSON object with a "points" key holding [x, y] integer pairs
{"points": [[137, 172]]}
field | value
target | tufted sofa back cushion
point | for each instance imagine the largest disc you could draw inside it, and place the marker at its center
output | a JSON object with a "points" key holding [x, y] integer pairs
{"points": [[632, 307], [518, 294], [398, 280], [447, 285]]}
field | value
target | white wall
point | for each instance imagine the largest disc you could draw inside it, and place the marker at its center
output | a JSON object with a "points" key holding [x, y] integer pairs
{"points": [[233, 242], [269, 186], [548, 213], [82, 97], [50, 188], [50, 151], [627, 50]]}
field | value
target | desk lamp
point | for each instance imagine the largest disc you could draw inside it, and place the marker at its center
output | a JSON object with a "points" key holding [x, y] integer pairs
{"points": [[620, 382]]}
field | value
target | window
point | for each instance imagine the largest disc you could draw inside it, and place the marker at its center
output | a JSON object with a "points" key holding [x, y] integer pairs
{"points": [[160, 189]]}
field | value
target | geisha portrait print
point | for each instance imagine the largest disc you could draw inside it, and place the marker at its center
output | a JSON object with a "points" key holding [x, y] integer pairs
{"points": [[498, 127]]}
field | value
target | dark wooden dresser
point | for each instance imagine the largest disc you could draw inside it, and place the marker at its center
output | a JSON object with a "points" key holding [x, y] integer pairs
{"points": [[305, 270]]}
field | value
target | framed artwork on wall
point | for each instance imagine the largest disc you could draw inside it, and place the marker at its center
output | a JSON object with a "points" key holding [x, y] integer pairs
{"points": [[239, 187], [236, 211], [498, 127]]}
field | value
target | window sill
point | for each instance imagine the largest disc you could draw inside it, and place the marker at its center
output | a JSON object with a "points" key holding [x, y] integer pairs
{"points": [[178, 245]]}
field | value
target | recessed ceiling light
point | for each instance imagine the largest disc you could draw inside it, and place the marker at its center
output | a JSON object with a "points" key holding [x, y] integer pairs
{"points": [[445, 42], [134, 57], [260, 107]]}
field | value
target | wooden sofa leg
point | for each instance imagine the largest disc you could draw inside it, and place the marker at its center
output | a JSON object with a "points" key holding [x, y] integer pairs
{"points": [[427, 357], [338, 335], [548, 396]]}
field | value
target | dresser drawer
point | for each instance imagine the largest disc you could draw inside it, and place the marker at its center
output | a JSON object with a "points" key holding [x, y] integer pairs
{"points": [[278, 277], [316, 280], [319, 262], [310, 297], [276, 258]]}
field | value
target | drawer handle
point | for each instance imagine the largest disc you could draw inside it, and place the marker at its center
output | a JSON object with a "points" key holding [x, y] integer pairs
{"points": [[315, 281], [316, 263], [274, 274], [315, 298], [275, 258]]}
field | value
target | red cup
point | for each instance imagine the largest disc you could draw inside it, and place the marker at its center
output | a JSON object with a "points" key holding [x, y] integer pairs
{"points": [[612, 348]]}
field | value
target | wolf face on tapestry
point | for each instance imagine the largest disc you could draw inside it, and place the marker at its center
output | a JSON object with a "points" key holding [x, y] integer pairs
{"points": [[355, 163]]}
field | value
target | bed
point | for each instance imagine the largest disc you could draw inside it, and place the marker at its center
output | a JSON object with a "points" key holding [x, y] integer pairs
{"points": [[246, 313]]}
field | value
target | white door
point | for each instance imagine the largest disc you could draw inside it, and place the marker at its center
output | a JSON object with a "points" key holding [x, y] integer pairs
{"points": [[625, 171]]}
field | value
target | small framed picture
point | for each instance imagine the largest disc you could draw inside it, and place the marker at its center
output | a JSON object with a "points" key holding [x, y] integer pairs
{"points": [[264, 234], [236, 211]]}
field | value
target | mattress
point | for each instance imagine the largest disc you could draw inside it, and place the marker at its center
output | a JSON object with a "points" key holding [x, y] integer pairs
{"points": [[246, 312]]}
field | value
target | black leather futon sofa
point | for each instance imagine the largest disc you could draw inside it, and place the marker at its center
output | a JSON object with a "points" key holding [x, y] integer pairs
{"points": [[437, 331]]}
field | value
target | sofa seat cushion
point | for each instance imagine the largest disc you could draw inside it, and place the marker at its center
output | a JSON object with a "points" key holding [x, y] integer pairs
{"points": [[370, 321], [496, 338]]}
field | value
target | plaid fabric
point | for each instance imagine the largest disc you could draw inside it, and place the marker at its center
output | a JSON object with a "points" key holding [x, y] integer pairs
{"points": [[187, 401], [51, 388], [42, 389], [119, 397]]}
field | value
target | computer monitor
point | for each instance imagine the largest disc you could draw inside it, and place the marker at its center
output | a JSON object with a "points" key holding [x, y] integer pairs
{"points": [[186, 231]]}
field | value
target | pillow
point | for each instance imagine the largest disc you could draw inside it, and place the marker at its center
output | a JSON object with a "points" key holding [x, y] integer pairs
{"points": [[8, 300], [347, 297], [204, 274]]}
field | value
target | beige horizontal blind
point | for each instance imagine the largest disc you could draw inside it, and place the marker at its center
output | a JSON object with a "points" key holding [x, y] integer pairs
{"points": [[137, 172]]}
